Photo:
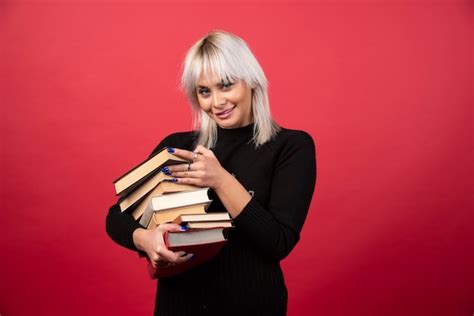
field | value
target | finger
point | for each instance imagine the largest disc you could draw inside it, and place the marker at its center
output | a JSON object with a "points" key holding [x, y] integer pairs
{"points": [[186, 154], [181, 256], [184, 258], [182, 167], [200, 149], [169, 255], [186, 174], [170, 227], [204, 151], [175, 168], [192, 181], [196, 156]]}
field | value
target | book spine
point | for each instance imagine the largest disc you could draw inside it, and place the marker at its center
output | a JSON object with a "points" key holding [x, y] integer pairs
{"points": [[146, 217]]}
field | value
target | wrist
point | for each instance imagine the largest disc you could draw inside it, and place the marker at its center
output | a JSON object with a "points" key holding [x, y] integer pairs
{"points": [[224, 180], [137, 236]]}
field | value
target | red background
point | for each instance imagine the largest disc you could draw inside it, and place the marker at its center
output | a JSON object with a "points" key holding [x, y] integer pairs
{"points": [[385, 89]]}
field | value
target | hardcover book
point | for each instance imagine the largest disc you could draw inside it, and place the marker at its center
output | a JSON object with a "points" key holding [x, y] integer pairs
{"points": [[127, 182], [174, 200]]}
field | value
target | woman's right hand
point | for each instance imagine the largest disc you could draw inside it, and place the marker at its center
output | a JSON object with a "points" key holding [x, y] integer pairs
{"points": [[151, 241]]}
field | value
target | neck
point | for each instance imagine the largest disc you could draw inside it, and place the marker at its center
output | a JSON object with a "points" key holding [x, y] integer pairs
{"points": [[244, 132]]}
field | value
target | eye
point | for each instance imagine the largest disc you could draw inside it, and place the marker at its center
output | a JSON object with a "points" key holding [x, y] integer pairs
{"points": [[226, 85], [203, 92]]}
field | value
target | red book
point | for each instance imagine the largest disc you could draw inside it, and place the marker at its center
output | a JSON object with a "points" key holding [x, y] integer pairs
{"points": [[203, 243]]}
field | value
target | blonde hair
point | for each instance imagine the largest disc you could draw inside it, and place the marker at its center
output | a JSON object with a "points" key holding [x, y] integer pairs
{"points": [[228, 57]]}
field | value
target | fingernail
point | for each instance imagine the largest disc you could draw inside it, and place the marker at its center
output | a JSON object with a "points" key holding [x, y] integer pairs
{"points": [[184, 228], [170, 150], [190, 256], [166, 171], [174, 180], [183, 253]]}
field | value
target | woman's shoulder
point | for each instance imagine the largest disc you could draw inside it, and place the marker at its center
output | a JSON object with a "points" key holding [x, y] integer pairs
{"points": [[294, 137], [287, 142]]}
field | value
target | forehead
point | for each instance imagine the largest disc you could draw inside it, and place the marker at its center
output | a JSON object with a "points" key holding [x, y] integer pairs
{"points": [[208, 79]]}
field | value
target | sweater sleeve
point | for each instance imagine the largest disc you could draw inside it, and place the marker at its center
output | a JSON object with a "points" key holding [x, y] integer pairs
{"points": [[121, 225], [275, 230]]}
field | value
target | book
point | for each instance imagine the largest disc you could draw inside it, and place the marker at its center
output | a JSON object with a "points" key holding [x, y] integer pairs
{"points": [[142, 190], [133, 177], [174, 200], [164, 187], [204, 244], [207, 217], [169, 215], [195, 225]]}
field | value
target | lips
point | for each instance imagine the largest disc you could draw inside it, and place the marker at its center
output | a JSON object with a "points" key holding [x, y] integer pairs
{"points": [[224, 113]]}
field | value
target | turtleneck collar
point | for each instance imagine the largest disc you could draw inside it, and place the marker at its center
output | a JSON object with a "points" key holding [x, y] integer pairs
{"points": [[244, 133]]}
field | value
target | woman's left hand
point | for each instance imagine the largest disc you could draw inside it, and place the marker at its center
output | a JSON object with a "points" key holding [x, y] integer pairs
{"points": [[204, 170]]}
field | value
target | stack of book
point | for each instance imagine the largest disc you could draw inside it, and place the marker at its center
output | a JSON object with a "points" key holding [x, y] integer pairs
{"points": [[153, 199]]}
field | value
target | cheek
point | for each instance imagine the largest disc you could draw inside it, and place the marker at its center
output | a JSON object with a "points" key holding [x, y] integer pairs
{"points": [[241, 95], [243, 100], [236, 97], [204, 105]]}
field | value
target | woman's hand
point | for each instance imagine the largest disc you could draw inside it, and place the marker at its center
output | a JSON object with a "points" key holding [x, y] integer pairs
{"points": [[151, 241], [204, 170]]}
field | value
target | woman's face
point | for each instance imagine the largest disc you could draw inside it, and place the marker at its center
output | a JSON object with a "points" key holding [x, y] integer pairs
{"points": [[228, 103]]}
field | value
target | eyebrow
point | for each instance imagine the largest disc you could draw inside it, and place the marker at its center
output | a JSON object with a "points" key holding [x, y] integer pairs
{"points": [[223, 81]]}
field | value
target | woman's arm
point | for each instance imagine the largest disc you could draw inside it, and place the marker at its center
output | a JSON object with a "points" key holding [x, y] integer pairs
{"points": [[120, 227], [274, 230]]}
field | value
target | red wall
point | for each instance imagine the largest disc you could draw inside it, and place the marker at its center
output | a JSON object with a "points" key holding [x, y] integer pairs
{"points": [[385, 88]]}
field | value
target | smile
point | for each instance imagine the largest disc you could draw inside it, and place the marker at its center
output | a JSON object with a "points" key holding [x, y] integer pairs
{"points": [[225, 114]]}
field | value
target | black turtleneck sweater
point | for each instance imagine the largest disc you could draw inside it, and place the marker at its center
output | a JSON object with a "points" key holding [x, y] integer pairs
{"points": [[245, 278]]}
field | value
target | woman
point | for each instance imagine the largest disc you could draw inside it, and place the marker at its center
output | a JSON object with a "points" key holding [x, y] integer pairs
{"points": [[262, 174]]}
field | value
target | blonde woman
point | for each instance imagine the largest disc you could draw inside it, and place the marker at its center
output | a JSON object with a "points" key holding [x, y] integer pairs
{"points": [[261, 173]]}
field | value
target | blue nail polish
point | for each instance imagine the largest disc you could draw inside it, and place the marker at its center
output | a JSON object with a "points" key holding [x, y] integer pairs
{"points": [[184, 228], [170, 150], [174, 180], [166, 171]]}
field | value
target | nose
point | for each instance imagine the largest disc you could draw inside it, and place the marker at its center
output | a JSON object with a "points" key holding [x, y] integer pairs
{"points": [[218, 100]]}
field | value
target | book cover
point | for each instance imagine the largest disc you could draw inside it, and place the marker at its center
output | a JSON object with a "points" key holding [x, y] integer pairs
{"points": [[132, 178], [164, 187], [137, 194], [193, 225], [205, 217], [174, 200], [168, 216]]}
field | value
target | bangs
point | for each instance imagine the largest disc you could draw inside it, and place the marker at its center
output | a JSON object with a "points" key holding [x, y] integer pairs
{"points": [[211, 63]]}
